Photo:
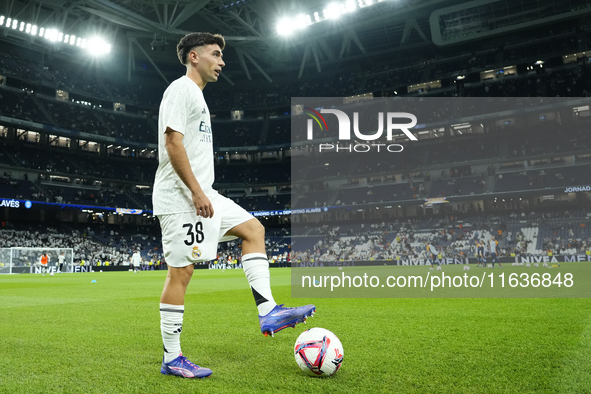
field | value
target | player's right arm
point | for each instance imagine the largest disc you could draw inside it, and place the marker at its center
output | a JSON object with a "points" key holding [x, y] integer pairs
{"points": [[179, 160]]}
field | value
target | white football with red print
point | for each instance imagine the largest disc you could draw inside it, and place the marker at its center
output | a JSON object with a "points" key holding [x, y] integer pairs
{"points": [[318, 352]]}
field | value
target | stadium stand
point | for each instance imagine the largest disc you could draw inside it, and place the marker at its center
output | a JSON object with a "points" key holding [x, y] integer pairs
{"points": [[502, 160]]}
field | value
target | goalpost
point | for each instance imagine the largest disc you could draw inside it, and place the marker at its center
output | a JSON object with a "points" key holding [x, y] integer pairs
{"points": [[26, 260]]}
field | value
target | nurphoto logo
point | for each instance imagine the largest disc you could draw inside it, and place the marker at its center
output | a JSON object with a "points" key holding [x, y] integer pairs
{"points": [[344, 132]]}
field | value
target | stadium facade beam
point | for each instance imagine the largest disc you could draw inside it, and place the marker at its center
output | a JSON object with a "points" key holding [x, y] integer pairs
{"points": [[134, 40], [244, 23], [157, 11], [326, 49], [408, 26], [17, 16], [227, 79], [357, 42], [304, 60], [169, 20], [120, 15], [188, 11], [243, 63], [131, 58], [138, 34], [316, 59], [9, 5], [35, 16], [344, 44], [267, 77]]}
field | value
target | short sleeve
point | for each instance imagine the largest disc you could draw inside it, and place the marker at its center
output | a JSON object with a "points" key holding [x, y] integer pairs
{"points": [[174, 110]]}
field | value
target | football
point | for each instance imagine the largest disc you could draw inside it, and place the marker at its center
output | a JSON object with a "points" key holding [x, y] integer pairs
{"points": [[318, 352], [51, 274]]}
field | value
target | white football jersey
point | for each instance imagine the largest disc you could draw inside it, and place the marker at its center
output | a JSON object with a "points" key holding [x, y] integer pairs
{"points": [[493, 246], [183, 109]]}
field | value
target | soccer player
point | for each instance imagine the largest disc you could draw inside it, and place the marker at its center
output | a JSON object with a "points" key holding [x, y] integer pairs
{"points": [[480, 254], [44, 261], [493, 250], [431, 250], [136, 260], [194, 217], [61, 259]]}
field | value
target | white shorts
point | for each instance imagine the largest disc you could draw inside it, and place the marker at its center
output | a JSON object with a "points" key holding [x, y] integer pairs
{"points": [[188, 238]]}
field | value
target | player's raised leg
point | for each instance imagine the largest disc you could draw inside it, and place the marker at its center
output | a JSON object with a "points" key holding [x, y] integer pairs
{"points": [[172, 308], [272, 317]]}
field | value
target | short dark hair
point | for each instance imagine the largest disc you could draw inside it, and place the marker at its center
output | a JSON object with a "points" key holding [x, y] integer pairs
{"points": [[192, 40]]}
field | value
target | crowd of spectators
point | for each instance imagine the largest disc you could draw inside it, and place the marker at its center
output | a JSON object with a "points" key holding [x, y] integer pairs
{"points": [[543, 233], [87, 248], [100, 245]]}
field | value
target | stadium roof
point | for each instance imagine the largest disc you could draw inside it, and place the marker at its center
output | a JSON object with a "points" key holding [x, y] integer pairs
{"points": [[150, 29]]}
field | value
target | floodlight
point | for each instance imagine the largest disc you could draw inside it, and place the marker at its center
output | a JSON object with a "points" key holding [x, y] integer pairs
{"points": [[28, 29], [332, 11], [41, 32], [1, 20], [14, 24], [301, 21], [51, 34], [96, 46], [22, 26], [34, 30], [350, 6], [285, 27]]}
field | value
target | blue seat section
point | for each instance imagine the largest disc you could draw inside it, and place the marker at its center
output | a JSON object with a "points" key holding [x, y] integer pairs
{"points": [[540, 179]]}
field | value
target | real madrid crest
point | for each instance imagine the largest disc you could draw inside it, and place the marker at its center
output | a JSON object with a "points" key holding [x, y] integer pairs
{"points": [[196, 252]]}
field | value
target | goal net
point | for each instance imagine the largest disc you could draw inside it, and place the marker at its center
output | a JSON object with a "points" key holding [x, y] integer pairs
{"points": [[27, 260]]}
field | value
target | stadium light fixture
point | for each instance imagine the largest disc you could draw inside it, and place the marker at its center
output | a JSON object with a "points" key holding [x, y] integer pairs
{"points": [[332, 11], [284, 27], [51, 35], [350, 6], [97, 45], [287, 26]]}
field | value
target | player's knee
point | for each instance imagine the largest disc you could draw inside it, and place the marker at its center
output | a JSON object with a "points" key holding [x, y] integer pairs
{"points": [[181, 275], [258, 230]]}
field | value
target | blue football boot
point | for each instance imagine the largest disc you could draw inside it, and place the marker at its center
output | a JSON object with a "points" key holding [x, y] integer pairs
{"points": [[182, 367], [281, 317]]}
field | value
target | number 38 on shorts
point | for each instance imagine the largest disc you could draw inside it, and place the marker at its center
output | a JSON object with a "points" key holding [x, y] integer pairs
{"points": [[194, 236]]}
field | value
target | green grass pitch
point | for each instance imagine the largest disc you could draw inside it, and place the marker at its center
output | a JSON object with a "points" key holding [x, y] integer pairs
{"points": [[65, 334]]}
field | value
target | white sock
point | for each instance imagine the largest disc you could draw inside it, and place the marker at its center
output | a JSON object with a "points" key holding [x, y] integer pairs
{"points": [[256, 268], [171, 325]]}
